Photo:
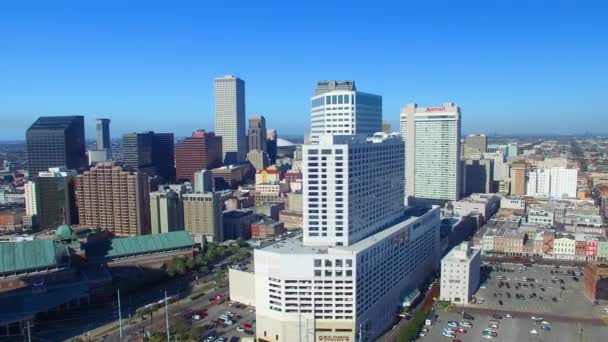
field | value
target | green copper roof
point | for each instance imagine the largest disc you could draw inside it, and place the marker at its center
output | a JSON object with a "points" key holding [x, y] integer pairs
{"points": [[64, 232], [27, 255], [122, 247]]}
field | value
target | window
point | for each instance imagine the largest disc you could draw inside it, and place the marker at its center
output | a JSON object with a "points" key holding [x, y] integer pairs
{"points": [[317, 262]]}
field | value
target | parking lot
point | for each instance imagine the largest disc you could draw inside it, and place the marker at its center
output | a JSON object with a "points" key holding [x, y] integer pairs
{"points": [[243, 320], [515, 329], [535, 289]]}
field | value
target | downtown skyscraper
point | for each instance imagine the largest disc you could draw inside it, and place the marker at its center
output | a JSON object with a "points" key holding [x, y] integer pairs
{"points": [[151, 153], [230, 118], [339, 109], [432, 152], [55, 141]]}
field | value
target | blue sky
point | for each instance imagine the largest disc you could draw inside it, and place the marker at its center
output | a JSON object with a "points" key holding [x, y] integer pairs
{"points": [[513, 66]]}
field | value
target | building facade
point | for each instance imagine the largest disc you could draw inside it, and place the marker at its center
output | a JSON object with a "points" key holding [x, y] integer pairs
{"points": [[51, 197], [166, 212], [338, 171], [338, 108], [113, 199], [230, 118], [151, 153], [203, 181], [460, 274], [55, 141], [432, 143], [203, 216], [557, 182], [256, 134], [518, 178], [202, 150], [475, 144]]}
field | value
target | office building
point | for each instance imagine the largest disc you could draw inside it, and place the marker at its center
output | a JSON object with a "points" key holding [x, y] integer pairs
{"points": [[114, 199], [230, 177], [203, 216], [166, 212], [557, 182], [460, 274], [202, 150], [258, 159], [203, 181], [230, 118], [256, 134], [432, 143], [359, 242], [237, 224], [271, 145], [103, 150], [508, 150], [475, 144], [150, 153], [338, 108], [478, 176], [55, 141], [55, 198], [103, 134], [519, 170], [31, 198]]}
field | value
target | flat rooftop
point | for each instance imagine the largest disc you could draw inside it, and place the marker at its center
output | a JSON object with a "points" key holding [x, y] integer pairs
{"points": [[294, 245]]}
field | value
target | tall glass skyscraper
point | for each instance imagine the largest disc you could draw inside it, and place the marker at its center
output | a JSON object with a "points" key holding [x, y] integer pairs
{"points": [[230, 118], [55, 141]]}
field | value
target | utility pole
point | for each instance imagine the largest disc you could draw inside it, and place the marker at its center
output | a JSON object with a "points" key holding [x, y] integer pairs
{"points": [[167, 317], [29, 336], [119, 317]]}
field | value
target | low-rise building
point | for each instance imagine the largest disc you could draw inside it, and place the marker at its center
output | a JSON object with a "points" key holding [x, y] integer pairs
{"points": [[266, 229], [460, 274], [485, 204], [237, 224]]}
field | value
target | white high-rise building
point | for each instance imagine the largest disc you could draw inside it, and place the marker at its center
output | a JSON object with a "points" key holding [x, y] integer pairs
{"points": [[339, 109], [203, 181], [556, 182], [230, 118], [361, 253], [460, 274], [31, 199], [432, 149], [353, 187]]}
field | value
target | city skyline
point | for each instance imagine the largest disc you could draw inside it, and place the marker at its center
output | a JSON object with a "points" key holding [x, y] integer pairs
{"points": [[553, 69]]}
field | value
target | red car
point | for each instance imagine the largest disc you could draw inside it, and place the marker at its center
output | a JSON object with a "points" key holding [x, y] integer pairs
{"points": [[461, 331], [247, 326], [456, 340]]}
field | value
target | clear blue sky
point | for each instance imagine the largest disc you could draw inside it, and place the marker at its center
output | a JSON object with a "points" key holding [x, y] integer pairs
{"points": [[513, 67]]}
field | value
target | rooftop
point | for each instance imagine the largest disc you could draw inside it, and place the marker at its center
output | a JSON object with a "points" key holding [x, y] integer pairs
{"points": [[16, 257], [136, 245], [54, 122]]}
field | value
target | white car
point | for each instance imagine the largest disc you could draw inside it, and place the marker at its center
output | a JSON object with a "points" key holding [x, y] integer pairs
{"points": [[448, 334], [452, 324], [545, 322], [508, 316], [533, 331], [240, 329], [466, 324], [196, 317], [606, 309]]}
